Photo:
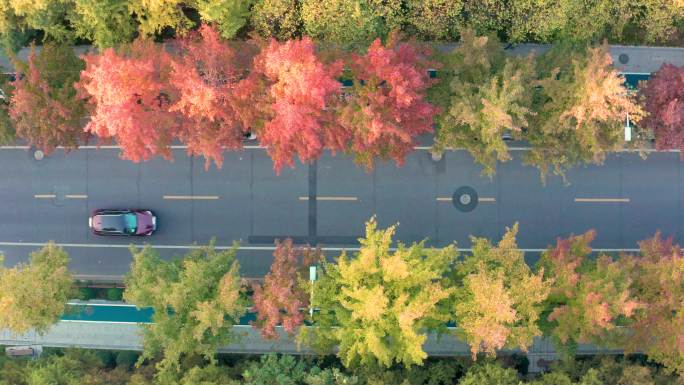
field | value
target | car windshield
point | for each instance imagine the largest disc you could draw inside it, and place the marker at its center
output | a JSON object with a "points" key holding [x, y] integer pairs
{"points": [[130, 223]]}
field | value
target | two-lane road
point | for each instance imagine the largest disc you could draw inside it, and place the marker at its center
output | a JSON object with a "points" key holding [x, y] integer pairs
{"points": [[625, 200]]}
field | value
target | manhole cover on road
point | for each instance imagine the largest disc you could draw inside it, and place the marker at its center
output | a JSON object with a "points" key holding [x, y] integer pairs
{"points": [[623, 58], [464, 199]]}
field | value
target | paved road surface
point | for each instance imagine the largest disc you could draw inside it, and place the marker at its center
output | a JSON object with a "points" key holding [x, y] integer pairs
{"points": [[625, 200]]}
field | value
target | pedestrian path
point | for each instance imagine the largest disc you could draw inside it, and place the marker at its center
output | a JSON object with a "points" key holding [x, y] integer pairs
{"points": [[117, 326]]}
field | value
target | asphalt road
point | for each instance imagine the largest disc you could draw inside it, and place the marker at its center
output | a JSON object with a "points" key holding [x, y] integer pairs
{"points": [[625, 200]]}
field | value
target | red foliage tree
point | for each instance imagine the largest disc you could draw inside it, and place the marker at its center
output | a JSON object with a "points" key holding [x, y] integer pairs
{"points": [[205, 73], [589, 297], [131, 97], [282, 296], [387, 106], [664, 103], [44, 107], [658, 277], [291, 89]]}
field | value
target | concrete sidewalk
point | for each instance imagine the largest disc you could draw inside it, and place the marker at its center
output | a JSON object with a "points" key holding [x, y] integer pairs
{"points": [[628, 59], [126, 336], [631, 59]]}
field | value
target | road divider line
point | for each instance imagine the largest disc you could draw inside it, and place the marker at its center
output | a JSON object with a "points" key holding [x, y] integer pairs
{"points": [[602, 200], [343, 199], [479, 199], [258, 147], [192, 197], [45, 196], [76, 196]]}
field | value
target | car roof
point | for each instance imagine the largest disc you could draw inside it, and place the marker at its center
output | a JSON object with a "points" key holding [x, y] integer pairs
{"points": [[112, 222]]}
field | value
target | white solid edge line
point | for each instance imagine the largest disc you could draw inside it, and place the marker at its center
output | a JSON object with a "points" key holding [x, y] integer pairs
{"points": [[73, 303], [255, 248], [104, 322]]}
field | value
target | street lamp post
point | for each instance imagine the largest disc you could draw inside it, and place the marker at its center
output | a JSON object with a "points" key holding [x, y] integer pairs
{"points": [[628, 130], [312, 278]]}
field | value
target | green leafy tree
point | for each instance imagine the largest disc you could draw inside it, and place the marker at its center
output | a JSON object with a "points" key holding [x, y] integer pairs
{"points": [[106, 23], [13, 33], [497, 300], [354, 22], [275, 369], [280, 19], [657, 21], [7, 132], [34, 296], [330, 376], [576, 21], [67, 369], [228, 15], [378, 305], [44, 107], [489, 95], [435, 19], [490, 374], [208, 375], [487, 16], [12, 372], [581, 109], [618, 370], [196, 302], [49, 16], [535, 20], [590, 297], [626, 21], [553, 378], [154, 16]]}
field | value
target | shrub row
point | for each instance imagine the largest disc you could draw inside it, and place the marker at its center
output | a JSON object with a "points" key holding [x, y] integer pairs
{"points": [[102, 367], [109, 22]]}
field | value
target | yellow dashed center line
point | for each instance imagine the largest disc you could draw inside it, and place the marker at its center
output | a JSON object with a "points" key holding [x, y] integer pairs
{"points": [[344, 199], [67, 196], [479, 199], [76, 196], [45, 196], [602, 200]]}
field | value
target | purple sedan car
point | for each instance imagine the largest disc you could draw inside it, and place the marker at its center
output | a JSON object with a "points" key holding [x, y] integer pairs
{"points": [[122, 222]]}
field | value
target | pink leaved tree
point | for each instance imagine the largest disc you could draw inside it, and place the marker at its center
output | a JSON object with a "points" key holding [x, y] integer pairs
{"points": [[387, 108], [590, 297], [664, 93], [205, 73], [282, 296], [658, 329], [131, 99], [44, 107], [291, 88]]}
